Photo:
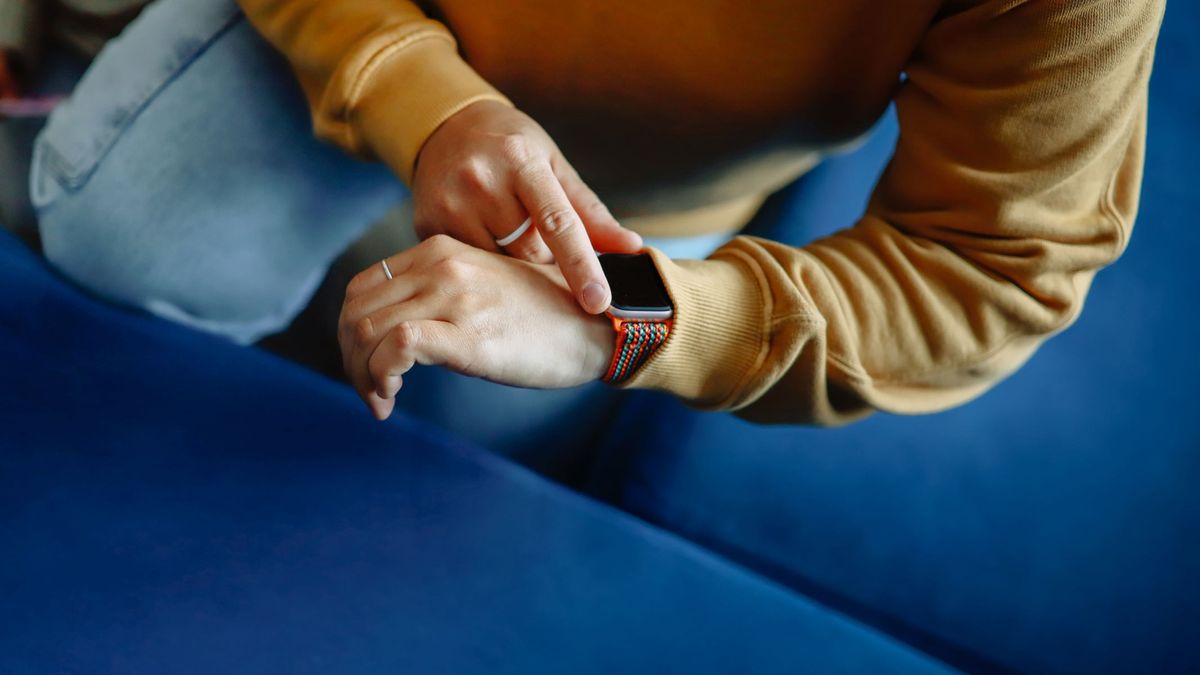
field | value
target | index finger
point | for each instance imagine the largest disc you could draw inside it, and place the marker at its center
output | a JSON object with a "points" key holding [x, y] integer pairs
{"points": [[543, 197]]}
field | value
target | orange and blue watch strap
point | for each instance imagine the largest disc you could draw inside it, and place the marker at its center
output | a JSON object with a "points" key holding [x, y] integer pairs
{"points": [[637, 340]]}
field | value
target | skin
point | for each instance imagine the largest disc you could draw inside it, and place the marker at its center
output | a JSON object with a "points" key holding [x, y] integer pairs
{"points": [[490, 166], [457, 300], [473, 311]]}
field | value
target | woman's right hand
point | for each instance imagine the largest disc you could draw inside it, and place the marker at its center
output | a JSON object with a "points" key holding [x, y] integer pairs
{"points": [[488, 168]]}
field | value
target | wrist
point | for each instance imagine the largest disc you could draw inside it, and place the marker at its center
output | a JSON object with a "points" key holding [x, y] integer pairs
{"points": [[602, 342], [409, 96], [641, 312], [721, 331], [467, 117]]}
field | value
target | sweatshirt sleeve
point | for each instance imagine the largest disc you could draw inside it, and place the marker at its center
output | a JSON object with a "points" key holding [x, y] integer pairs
{"points": [[20, 30], [1014, 180], [379, 75]]}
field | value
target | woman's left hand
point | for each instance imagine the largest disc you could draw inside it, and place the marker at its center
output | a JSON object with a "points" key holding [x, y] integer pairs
{"points": [[478, 313]]}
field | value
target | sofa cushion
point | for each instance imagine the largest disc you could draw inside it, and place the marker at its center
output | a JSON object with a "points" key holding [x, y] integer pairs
{"points": [[172, 503], [1050, 526]]}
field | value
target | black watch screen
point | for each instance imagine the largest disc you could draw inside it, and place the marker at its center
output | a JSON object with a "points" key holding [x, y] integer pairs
{"points": [[636, 284]]}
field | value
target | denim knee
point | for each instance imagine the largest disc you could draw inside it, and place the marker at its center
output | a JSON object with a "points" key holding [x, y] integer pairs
{"points": [[108, 257], [182, 178]]}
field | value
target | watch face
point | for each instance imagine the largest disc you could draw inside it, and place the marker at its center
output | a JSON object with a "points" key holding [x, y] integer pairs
{"points": [[636, 285]]}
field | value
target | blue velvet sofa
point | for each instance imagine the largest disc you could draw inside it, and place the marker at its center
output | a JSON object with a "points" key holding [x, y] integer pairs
{"points": [[170, 503]]}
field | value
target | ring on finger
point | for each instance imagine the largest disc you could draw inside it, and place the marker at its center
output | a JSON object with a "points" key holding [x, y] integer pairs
{"points": [[516, 234]]}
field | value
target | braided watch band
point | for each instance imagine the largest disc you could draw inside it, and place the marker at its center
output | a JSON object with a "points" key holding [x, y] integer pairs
{"points": [[636, 342]]}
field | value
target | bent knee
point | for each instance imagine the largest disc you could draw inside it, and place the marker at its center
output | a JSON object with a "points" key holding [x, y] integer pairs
{"points": [[201, 287]]}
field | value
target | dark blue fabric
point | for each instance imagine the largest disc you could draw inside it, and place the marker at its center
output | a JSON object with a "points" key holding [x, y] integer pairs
{"points": [[1051, 526], [170, 503]]}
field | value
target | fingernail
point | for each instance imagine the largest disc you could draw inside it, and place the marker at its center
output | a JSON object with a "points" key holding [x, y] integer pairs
{"points": [[595, 296]]}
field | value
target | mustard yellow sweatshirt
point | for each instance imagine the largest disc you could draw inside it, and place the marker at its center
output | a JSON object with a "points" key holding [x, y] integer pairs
{"points": [[1015, 178]]}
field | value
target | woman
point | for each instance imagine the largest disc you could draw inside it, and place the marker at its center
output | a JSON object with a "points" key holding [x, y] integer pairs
{"points": [[1014, 181]]}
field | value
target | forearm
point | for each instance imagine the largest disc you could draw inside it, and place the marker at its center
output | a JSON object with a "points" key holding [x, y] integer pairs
{"points": [[1015, 180]]}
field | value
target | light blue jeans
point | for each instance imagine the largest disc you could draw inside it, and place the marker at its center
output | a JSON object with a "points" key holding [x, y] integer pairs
{"points": [[182, 178]]}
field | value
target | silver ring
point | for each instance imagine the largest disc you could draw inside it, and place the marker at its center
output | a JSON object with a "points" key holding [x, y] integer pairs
{"points": [[387, 271], [516, 234]]}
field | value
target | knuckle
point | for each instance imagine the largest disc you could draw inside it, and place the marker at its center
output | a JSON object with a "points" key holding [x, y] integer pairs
{"points": [[364, 331], [439, 245], [448, 210], [516, 149], [404, 337], [557, 222], [475, 176], [452, 269], [465, 306]]}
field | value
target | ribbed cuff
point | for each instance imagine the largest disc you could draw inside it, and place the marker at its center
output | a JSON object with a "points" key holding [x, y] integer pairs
{"points": [[717, 340], [414, 87], [20, 29]]}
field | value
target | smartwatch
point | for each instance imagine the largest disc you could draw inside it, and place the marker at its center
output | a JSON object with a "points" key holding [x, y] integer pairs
{"points": [[641, 311]]}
